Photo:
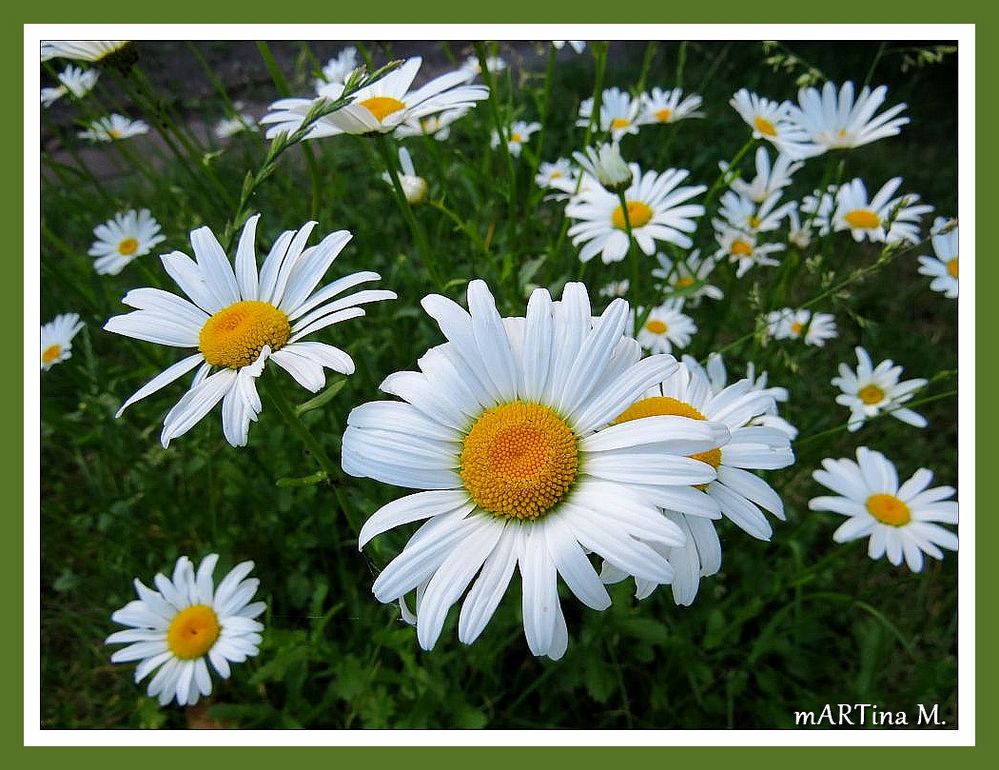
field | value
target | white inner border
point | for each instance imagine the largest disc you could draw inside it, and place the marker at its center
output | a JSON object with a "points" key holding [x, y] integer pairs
{"points": [[965, 736]]}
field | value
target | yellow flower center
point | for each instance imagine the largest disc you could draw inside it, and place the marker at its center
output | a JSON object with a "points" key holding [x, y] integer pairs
{"points": [[51, 353], [754, 221], [193, 631], [235, 335], [765, 127], [741, 248], [382, 106], [796, 327], [841, 134], [639, 214], [114, 133], [664, 115], [952, 267], [618, 123], [664, 405], [556, 174], [128, 247], [862, 219], [657, 327], [518, 460], [684, 282], [888, 509], [871, 394]]}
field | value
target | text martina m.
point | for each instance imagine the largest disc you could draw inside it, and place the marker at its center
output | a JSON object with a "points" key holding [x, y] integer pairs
{"points": [[867, 714]]}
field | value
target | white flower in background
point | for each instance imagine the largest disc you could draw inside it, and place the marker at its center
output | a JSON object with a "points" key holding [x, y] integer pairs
{"points": [[838, 122], [688, 276], [129, 235], [507, 428], [868, 219], [113, 127], [339, 67], [737, 493], [618, 113], [413, 185], [772, 121], [656, 210], [238, 320], [769, 178], [235, 124], [519, 132], [793, 324], [72, 80], [494, 64], [820, 207], [616, 289], [438, 126], [379, 107], [744, 214], [57, 339], [559, 172], [188, 622], [942, 267], [741, 247], [81, 50], [665, 327], [799, 233], [576, 45], [668, 106], [901, 521], [606, 165], [872, 390]]}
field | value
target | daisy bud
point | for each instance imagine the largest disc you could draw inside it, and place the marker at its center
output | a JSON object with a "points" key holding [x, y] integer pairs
{"points": [[607, 165]]}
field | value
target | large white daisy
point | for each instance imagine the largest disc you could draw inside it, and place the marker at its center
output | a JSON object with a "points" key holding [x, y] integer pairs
{"points": [[770, 178], [666, 327], [506, 429], [185, 623], [238, 320], [772, 121], [871, 390], [81, 50], [72, 80], [668, 106], [942, 267], [901, 521], [836, 121], [868, 218], [618, 113], [57, 339], [129, 235]]}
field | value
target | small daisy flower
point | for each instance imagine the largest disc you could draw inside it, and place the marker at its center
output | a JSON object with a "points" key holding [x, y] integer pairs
{"points": [[72, 80], [414, 186], [867, 219], [901, 521], [379, 107], [606, 165], [872, 390], [237, 320], [838, 122], [129, 235], [741, 247], [656, 212], [235, 124], [57, 339], [339, 67], [438, 126], [494, 64], [772, 121], [113, 127], [576, 45], [794, 324], [666, 326], [618, 113], [746, 215], [668, 106], [769, 179], [799, 234], [559, 172], [187, 623], [519, 132], [82, 50], [942, 267], [616, 289], [688, 277], [507, 428], [820, 208]]}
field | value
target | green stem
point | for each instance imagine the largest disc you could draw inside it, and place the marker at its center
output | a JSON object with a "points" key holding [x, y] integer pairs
{"points": [[298, 427]]}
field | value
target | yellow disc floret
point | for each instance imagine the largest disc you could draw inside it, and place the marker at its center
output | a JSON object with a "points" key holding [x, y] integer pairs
{"points": [[871, 394], [862, 219], [128, 247], [765, 127], [639, 215], [235, 335], [888, 509], [741, 248], [656, 326], [952, 267], [664, 115], [656, 406], [519, 459], [193, 631], [51, 353], [684, 281], [382, 106], [619, 123]]}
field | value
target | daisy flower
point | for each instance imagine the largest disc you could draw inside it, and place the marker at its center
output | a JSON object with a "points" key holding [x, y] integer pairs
{"points": [[339, 67], [792, 324], [942, 267], [618, 113], [668, 106], [820, 207], [838, 122], [665, 327], [769, 179], [550, 174], [799, 233], [177, 629], [519, 132], [129, 235], [867, 219], [576, 45], [872, 390], [748, 216], [83, 50], [380, 106], [737, 493], [688, 276], [493, 63], [438, 126], [235, 124], [772, 121], [506, 428], [238, 320], [655, 212], [414, 186], [616, 289], [113, 127], [606, 165], [739, 246], [72, 80], [57, 338], [902, 521]]}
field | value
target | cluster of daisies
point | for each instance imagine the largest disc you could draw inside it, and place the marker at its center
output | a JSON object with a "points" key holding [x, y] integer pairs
{"points": [[559, 444]]}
